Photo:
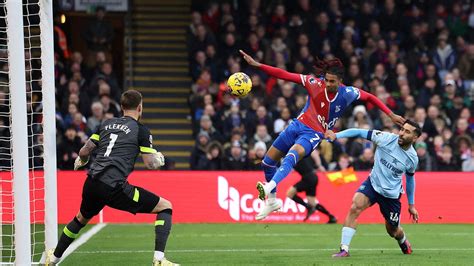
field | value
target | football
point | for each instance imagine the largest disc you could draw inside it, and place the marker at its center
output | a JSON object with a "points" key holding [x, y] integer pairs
{"points": [[239, 84]]}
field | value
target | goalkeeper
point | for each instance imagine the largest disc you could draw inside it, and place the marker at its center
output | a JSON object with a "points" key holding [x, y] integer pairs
{"points": [[118, 142]]}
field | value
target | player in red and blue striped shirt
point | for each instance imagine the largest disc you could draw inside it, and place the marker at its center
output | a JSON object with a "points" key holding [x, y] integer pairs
{"points": [[327, 99]]}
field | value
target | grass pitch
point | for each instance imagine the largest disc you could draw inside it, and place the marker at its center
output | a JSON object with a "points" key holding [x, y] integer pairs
{"points": [[277, 244]]}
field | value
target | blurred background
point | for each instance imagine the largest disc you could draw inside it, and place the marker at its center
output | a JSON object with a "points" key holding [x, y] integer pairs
{"points": [[416, 56]]}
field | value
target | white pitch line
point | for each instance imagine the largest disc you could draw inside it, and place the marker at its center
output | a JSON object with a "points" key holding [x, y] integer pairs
{"points": [[83, 238], [255, 235], [226, 235], [266, 250]]}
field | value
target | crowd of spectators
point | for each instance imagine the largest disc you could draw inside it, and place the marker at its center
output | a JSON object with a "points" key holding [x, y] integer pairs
{"points": [[87, 89], [416, 56]]}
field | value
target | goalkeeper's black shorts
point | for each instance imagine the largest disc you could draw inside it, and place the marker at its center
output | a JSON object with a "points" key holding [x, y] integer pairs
{"points": [[96, 195]]}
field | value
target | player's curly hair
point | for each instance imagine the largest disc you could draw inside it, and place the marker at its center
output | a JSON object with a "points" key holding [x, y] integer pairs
{"points": [[331, 66]]}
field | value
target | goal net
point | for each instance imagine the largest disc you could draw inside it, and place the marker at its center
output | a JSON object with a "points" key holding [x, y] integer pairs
{"points": [[28, 214]]}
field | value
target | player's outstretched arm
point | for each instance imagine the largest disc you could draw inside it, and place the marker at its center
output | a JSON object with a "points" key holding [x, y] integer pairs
{"points": [[84, 154], [365, 96], [348, 133], [272, 71], [410, 189]]}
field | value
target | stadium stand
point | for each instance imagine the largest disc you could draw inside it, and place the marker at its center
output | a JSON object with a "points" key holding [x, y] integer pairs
{"points": [[159, 69], [87, 88], [416, 57], [421, 66]]}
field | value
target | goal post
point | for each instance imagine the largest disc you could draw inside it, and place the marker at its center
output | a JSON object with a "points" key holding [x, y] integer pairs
{"points": [[49, 123], [28, 192], [17, 80]]}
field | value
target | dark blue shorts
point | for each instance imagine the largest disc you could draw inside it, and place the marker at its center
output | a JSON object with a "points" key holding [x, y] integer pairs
{"points": [[390, 208], [298, 133]]}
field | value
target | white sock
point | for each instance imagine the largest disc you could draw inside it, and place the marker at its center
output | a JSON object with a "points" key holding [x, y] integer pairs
{"points": [[347, 234], [269, 187], [158, 255], [55, 259], [345, 247], [400, 241], [271, 198]]}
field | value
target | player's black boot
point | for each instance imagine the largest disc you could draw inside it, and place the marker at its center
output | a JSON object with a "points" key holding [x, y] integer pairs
{"points": [[309, 211], [332, 219]]}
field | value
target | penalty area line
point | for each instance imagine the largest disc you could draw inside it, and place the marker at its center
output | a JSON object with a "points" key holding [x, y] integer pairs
{"points": [[265, 250], [83, 238]]}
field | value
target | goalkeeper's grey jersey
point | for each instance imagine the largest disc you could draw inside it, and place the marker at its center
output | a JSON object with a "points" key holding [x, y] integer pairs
{"points": [[119, 141]]}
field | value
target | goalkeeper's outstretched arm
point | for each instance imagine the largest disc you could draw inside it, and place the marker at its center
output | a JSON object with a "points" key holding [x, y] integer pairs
{"points": [[84, 154], [86, 150]]}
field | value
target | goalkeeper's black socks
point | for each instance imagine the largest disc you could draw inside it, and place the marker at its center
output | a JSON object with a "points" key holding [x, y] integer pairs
{"points": [[299, 200], [70, 232], [321, 208], [162, 229]]}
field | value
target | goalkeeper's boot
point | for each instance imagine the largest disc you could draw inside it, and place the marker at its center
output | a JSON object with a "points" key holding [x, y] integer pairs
{"points": [[164, 262], [309, 212], [267, 209], [406, 247], [51, 260], [261, 190], [341, 254]]}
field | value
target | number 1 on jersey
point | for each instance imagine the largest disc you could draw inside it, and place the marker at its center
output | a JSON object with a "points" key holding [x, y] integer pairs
{"points": [[113, 138]]}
